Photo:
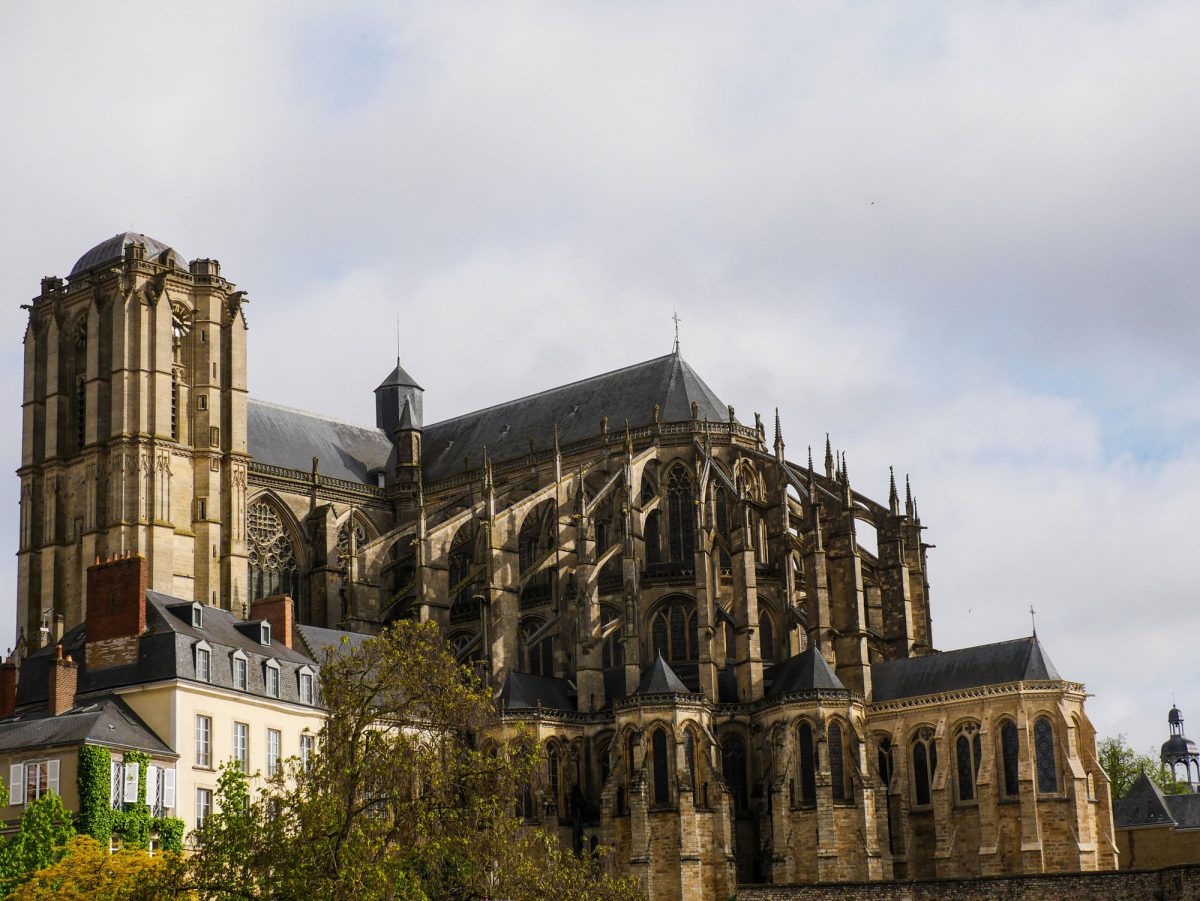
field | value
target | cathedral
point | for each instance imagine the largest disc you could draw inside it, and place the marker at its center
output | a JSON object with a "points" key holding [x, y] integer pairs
{"points": [[726, 655]]}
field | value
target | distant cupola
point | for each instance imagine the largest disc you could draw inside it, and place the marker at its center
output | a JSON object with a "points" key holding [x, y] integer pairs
{"points": [[396, 391], [1179, 750]]}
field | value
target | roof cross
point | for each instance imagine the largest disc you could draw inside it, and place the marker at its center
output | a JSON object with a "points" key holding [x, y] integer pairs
{"points": [[675, 318], [1033, 619]]}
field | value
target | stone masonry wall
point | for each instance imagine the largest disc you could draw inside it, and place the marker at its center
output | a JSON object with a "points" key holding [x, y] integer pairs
{"points": [[1171, 884]]}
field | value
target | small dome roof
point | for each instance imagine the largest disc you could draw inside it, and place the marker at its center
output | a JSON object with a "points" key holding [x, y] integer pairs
{"points": [[1177, 746], [1175, 716], [113, 249]]}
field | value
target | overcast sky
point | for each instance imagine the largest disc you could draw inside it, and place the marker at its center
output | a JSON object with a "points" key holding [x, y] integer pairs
{"points": [[962, 238]]}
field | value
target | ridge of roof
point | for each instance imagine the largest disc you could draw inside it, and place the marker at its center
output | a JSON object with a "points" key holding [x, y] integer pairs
{"points": [[324, 417]]}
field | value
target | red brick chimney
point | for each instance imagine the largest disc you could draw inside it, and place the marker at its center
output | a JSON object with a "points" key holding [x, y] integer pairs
{"points": [[8, 687], [277, 610], [64, 676], [116, 610]]}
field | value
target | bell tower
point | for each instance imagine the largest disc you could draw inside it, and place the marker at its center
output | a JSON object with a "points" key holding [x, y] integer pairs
{"points": [[133, 429]]}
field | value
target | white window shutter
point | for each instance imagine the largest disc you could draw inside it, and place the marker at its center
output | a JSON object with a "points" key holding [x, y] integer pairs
{"points": [[16, 784], [52, 776], [169, 788], [152, 786], [131, 783]]}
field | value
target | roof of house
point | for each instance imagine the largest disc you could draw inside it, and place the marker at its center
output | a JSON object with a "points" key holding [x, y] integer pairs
{"points": [[282, 436], [807, 671], [1019, 660], [105, 720]]}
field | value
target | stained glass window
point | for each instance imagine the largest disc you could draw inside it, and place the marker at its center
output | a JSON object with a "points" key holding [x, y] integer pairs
{"points": [[674, 632], [658, 748], [272, 565], [681, 513], [837, 768], [808, 768], [924, 757], [343, 542], [1009, 751], [1043, 747], [967, 756]]}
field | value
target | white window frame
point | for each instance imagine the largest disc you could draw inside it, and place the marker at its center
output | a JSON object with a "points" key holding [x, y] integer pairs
{"points": [[45, 780], [306, 675], [130, 793], [268, 668], [241, 746], [307, 745], [197, 616], [116, 782], [204, 653], [239, 657], [204, 799], [264, 635], [274, 751], [204, 741]]}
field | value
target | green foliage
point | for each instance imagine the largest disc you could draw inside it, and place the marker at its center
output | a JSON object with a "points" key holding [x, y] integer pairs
{"points": [[95, 811], [170, 833], [88, 871], [399, 800], [1122, 764], [40, 841]]}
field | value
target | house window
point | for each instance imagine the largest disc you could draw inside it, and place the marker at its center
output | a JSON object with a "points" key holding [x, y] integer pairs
{"points": [[265, 635], [201, 402], [306, 688], [203, 664], [1009, 747], [1043, 748], [31, 780], [273, 742], [116, 782], [306, 748], [924, 758], [203, 806], [241, 746], [272, 676], [239, 673], [966, 758], [204, 741]]}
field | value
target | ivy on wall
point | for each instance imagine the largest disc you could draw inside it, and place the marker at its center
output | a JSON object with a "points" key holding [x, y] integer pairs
{"points": [[133, 823]]}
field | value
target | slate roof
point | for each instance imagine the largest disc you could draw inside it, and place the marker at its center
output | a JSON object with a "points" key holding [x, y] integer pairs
{"points": [[316, 640], [167, 651], [399, 378], [525, 690], [113, 250], [806, 671], [282, 436], [1021, 659], [659, 679], [106, 721], [1145, 805]]}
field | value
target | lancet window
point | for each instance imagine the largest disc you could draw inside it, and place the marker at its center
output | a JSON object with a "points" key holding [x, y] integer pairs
{"points": [[273, 567], [613, 651], [967, 755], [837, 761], [924, 759], [689, 756], [766, 636], [463, 605], [681, 515], [674, 632], [658, 750], [1043, 750], [1009, 751], [808, 765], [733, 765], [539, 653]]}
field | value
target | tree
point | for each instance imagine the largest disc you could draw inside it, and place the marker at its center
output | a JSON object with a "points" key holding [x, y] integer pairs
{"points": [[40, 840], [87, 870], [1122, 764], [399, 800]]}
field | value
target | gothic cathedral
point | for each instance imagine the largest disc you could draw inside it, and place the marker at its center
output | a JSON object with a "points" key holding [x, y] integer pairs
{"points": [[727, 656]]}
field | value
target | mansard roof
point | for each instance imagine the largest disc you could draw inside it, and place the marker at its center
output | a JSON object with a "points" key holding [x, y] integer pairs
{"points": [[1019, 660], [577, 408], [106, 721], [659, 679], [282, 436], [807, 671], [113, 250]]}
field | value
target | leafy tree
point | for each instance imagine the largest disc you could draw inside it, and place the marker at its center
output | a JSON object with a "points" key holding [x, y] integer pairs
{"points": [[87, 870], [41, 839], [400, 800], [1122, 764]]}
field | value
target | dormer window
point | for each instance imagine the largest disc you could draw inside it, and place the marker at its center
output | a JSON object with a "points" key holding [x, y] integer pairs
{"points": [[204, 661], [271, 677], [265, 635], [239, 670], [307, 682], [197, 616]]}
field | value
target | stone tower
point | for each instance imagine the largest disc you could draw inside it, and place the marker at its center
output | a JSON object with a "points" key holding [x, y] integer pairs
{"points": [[134, 429]]}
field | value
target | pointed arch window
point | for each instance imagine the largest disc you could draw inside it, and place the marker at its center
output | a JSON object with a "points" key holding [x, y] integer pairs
{"points": [[967, 755], [539, 651], [674, 632], [924, 760], [721, 516], [808, 765], [885, 761], [837, 761], [766, 636], [272, 556], [1047, 763], [344, 547], [689, 756], [1009, 748], [681, 516], [658, 750], [533, 544], [554, 768], [733, 764], [613, 652], [463, 588]]}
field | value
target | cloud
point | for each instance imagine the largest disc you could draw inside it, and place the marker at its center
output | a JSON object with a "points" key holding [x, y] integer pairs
{"points": [[960, 239]]}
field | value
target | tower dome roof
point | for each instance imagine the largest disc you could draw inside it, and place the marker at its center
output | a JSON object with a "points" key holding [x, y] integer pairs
{"points": [[113, 249], [1175, 716], [1177, 746]]}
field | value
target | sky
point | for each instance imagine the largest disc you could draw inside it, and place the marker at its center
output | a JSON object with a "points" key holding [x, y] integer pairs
{"points": [[960, 238]]}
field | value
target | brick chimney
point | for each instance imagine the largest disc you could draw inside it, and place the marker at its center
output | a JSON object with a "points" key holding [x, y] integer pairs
{"points": [[277, 610], [64, 676], [8, 687], [116, 610]]}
